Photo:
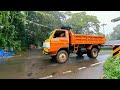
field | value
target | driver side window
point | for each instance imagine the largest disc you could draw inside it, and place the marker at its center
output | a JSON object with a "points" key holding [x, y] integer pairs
{"points": [[59, 34]]}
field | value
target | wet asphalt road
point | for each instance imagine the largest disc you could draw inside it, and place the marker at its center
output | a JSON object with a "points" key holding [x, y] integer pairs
{"points": [[77, 68], [34, 66]]}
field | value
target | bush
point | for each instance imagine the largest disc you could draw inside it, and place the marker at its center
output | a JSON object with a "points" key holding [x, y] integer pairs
{"points": [[112, 68]]}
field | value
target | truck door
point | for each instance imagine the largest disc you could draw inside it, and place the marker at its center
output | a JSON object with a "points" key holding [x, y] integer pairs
{"points": [[59, 40]]}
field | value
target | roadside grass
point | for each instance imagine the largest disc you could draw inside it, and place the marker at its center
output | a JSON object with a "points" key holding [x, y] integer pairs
{"points": [[112, 68]]}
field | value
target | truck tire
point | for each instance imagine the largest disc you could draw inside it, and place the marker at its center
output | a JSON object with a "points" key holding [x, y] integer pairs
{"points": [[93, 53], [79, 54], [62, 56]]}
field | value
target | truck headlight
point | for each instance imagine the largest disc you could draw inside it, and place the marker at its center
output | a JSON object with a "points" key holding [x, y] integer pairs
{"points": [[46, 45]]}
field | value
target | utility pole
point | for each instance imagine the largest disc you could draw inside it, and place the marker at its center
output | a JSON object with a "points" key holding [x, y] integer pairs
{"points": [[103, 27]]}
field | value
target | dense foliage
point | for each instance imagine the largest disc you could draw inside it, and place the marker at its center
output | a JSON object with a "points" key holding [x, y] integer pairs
{"points": [[112, 68], [83, 23], [20, 29], [115, 35]]}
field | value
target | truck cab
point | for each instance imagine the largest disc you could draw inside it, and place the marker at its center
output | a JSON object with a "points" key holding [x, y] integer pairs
{"points": [[59, 40], [63, 41]]}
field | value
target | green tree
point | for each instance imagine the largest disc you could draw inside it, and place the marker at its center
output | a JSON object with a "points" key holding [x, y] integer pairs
{"points": [[59, 17], [82, 23], [7, 30], [115, 35], [13, 30], [40, 23]]}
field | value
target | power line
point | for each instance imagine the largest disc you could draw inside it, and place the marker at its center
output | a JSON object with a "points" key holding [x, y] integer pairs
{"points": [[36, 23]]}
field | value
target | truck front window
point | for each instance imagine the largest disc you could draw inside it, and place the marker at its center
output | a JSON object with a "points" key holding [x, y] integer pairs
{"points": [[59, 34]]}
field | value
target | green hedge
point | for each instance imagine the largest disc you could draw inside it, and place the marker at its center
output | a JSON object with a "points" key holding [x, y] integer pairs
{"points": [[112, 68]]}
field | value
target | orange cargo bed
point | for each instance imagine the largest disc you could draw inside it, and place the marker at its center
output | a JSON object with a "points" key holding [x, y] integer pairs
{"points": [[86, 39]]}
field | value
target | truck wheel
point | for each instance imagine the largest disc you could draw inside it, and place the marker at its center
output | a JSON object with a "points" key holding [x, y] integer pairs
{"points": [[93, 53], [79, 54], [62, 56]]}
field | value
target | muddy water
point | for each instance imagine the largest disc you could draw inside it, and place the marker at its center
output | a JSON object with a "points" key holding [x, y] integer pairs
{"points": [[34, 66]]}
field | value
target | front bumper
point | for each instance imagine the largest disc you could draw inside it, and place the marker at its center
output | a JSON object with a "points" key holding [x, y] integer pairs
{"points": [[44, 53]]}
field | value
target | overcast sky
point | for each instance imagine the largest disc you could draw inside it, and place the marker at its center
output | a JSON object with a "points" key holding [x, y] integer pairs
{"points": [[105, 17]]}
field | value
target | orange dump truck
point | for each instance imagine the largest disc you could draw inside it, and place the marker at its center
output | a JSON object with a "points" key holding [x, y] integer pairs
{"points": [[63, 41]]}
